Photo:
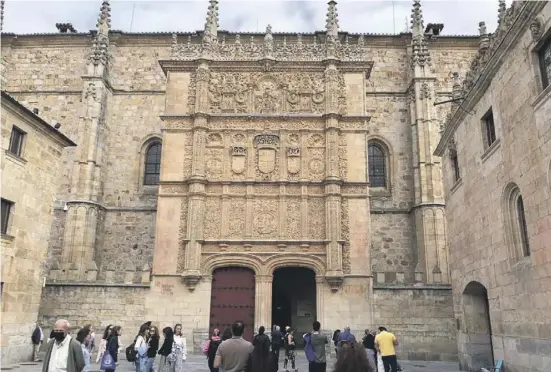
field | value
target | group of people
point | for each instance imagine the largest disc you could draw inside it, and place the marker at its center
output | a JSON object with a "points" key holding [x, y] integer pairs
{"points": [[226, 352]]}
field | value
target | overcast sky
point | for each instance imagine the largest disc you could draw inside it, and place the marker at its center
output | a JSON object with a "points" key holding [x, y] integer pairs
{"points": [[361, 16]]}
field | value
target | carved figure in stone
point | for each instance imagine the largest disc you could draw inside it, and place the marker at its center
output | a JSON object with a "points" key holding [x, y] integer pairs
{"points": [[265, 223], [535, 29], [267, 97]]}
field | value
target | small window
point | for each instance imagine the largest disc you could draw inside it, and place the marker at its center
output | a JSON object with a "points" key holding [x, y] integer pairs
{"points": [[489, 128], [6, 212], [16, 141], [377, 165], [522, 227], [152, 164], [455, 166], [545, 63]]}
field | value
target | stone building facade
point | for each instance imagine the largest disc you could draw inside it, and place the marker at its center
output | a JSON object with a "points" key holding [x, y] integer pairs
{"points": [[30, 167], [212, 157], [496, 152]]}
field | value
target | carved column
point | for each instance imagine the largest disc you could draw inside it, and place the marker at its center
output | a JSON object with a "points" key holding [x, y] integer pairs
{"points": [[202, 81], [304, 213], [320, 300], [263, 301], [249, 212], [224, 228]]}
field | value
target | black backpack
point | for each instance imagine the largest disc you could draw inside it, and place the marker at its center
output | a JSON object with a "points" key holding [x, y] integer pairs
{"points": [[213, 346], [130, 352]]}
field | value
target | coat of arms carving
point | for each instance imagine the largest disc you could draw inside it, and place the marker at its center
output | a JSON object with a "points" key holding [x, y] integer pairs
{"points": [[266, 145], [293, 159], [238, 159]]}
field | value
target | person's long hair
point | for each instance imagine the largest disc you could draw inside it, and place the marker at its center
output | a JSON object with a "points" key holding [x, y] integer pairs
{"points": [[181, 330], [106, 332], [169, 335], [82, 334], [155, 333], [226, 335], [352, 358], [143, 330]]}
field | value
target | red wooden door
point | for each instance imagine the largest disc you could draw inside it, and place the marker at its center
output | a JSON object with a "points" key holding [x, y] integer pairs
{"points": [[232, 298]]}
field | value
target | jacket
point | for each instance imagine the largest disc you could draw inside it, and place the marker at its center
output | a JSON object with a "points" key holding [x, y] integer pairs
{"points": [[35, 338], [75, 359]]}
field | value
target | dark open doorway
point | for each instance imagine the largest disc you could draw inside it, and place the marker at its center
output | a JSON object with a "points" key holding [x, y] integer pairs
{"points": [[294, 299]]}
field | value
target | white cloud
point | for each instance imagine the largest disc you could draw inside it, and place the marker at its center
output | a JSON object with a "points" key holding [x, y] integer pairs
{"points": [[458, 16]]}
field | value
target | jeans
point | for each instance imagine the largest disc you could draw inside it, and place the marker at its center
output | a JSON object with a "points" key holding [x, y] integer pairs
{"points": [[150, 365], [391, 363], [141, 364]]}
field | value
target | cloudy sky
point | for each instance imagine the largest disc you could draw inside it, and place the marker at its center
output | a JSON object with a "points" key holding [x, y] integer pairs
{"points": [[362, 16]]}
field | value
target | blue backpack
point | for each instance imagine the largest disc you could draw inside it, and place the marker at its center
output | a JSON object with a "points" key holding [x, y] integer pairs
{"points": [[309, 348]]}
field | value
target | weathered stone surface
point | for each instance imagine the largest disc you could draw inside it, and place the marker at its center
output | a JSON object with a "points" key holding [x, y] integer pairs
{"points": [[29, 182], [496, 285]]}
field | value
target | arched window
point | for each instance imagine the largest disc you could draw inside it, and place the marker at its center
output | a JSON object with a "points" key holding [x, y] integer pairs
{"points": [[152, 164], [377, 164], [523, 230], [515, 220]]}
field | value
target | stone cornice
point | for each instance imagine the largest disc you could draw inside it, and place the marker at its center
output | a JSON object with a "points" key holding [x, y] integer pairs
{"points": [[259, 65], [16, 108], [253, 117], [519, 26]]}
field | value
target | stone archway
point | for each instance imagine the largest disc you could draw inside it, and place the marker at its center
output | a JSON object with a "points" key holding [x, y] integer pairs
{"points": [[475, 342], [294, 299]]}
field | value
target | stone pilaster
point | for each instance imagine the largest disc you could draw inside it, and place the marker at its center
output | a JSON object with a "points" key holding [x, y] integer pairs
{"points": [[83, 207], [429, 210], [263, 301]]}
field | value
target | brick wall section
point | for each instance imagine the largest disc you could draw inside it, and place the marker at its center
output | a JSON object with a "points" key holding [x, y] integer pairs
{"points": [[518, 287]]}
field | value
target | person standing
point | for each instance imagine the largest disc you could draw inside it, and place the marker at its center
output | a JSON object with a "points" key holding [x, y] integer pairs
{"points": [[233, 354], [180, 349], [210, 349], [277, 342], [261, 351], [37, 339], [83, 336], [92, 342], [153, 346], [318, 342], [64, 354], [352, 357], [369, 344], [165, 365], [113, 345], [385, 343], [103, 343], [141, 348], [290, 349]]}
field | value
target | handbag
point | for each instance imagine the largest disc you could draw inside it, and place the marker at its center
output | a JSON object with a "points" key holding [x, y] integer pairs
{"points": [[107, 361]]}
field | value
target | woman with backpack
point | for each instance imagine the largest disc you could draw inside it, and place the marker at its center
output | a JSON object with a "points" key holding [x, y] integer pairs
{"points": [[167, 358], [112, 349], [140, 347], [210, 347]]}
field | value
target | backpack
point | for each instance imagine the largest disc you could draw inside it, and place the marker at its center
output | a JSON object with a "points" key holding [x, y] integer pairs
{"points": [[309, 348], [131, 353], [213, 347]]}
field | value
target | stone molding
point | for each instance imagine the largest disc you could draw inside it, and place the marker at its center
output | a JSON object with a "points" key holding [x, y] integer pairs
{"points": [[508, 36]]}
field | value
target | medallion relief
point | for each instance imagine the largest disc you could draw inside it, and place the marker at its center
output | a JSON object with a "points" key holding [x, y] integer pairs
{"points": [[265, 218], [265, 223]]}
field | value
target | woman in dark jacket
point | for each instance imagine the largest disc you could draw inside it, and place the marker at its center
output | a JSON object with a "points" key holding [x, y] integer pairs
{"points": [[113, 345], [261, 352], [153, 346], [165, 365]]}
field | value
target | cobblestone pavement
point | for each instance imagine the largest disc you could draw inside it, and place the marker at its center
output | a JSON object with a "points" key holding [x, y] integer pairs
{"points": [[198, 363]]}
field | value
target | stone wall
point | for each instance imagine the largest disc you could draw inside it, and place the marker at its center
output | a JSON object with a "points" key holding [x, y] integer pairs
{"points": [[421, 318], [485, 250], [29, 182]]}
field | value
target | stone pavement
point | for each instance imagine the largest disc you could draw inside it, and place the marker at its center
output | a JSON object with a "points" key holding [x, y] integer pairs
{"points": [[198, 363]]}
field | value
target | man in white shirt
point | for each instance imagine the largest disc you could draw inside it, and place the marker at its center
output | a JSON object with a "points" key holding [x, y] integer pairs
{"points": [[64, 353]]}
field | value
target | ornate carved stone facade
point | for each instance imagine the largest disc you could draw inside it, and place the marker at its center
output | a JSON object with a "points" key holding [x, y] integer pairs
{"points": [[264, 164]]}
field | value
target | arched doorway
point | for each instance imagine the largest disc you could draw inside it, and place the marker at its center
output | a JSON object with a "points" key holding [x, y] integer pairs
{"points": [[475, 349], [294, 299], [232, 298]]}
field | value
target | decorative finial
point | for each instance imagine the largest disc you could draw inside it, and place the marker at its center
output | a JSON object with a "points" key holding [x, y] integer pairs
{"points": [[211, 25], [268, 42], [104, 20], [332, 25], [501, 11], [2, 15], [484, 41], [482, 28], [421, 55]]}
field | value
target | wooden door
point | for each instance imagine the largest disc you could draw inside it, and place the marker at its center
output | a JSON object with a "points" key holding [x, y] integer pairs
{"points": [[232, 298]]}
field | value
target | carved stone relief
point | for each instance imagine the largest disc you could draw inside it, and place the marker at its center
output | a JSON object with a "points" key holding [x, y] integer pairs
{"points": [[265, 218], [214, 163], [345, 235], [271, 93], [212, 221], [316, 218], [236, 220], [343, 158], [238, 159], [293, 219], [183, 234], [267, 155]]}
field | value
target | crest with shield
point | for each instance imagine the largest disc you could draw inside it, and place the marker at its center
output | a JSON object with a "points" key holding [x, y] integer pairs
{"points": [[266, 145]]}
